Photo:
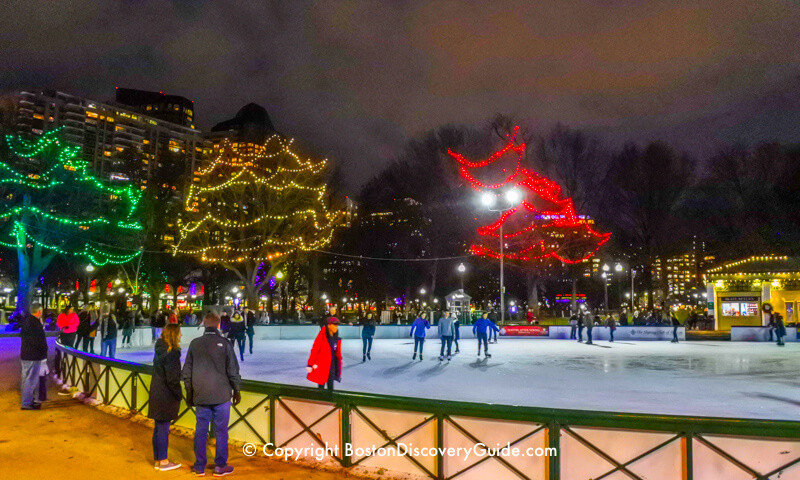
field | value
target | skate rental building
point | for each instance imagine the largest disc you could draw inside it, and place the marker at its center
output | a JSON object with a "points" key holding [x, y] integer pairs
{"points": [[737, 290]]}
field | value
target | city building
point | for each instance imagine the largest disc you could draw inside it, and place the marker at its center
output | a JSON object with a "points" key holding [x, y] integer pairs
{"points": [[250, 128], [118, 141], [171, 108], [679, 274]]}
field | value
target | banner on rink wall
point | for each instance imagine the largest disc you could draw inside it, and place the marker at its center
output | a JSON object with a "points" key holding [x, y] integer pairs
{"points": [[524, 331]]}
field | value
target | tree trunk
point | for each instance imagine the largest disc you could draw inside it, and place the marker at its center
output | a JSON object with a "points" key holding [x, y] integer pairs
{"points": [[25, 285], [315, 301], [533, 293]]}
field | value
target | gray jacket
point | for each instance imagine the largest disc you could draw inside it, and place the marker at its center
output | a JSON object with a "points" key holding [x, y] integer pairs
{"points": [[446, 327], [211, 371]]}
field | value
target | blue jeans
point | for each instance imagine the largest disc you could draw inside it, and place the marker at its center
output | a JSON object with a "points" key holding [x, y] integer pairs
{"points": [[482, 338], [160, 440], [30, 381], [580, 333], [446, 340], [108, 346], [220, 415], [367, 341], [674, 334], [418, 341], [589, 335]]}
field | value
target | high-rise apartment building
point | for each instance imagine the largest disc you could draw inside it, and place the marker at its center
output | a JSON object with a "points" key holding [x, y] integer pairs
{"points": [[119, 142]]}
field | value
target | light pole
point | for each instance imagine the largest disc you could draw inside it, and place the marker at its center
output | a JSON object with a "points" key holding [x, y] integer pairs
{"points": [[605, 288], [461, 269], [633, 294], [513, 197]]}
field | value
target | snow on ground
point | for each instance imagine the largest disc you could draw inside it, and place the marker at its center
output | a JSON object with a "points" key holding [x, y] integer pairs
{"points": [[718, 379]]}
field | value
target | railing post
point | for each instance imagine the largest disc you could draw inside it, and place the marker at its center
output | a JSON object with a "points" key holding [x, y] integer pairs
{"points": [[553, 463], [347, 436], [272, 403], [686, 452], [134, 390], [439, 446], [106, 396]]}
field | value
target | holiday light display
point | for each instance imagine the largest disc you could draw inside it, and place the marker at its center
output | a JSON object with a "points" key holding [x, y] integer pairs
{"points": [[540, 225], [249, 207], [50, 205]]}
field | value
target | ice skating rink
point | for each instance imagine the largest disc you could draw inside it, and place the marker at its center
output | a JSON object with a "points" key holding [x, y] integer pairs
{"points": [[718, 379]]}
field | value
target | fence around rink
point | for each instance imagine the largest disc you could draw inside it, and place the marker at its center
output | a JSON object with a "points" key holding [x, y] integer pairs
{"points": [[588, 444]]}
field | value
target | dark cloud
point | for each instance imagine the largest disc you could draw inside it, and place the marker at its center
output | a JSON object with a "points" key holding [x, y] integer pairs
{"points": [[354, 79]]}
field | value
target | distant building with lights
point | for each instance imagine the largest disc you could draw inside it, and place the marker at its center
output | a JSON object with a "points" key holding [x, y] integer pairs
{"points": [[679, 274], [112, 133]]}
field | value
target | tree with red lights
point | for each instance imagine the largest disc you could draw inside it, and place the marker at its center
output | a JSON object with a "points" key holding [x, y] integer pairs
{"points": [[536, 223]]}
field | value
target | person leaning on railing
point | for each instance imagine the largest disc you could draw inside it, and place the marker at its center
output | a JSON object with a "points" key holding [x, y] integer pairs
{"points": [[212, 380], [165, 393]]}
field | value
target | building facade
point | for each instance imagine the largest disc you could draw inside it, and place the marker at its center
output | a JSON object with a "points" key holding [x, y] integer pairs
{"points": [[118, 142]]}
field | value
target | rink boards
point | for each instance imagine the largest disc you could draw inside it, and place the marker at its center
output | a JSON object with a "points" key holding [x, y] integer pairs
{"points": [[587, 444]]}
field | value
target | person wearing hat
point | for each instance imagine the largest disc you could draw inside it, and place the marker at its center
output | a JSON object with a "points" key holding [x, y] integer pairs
{"points": [[325, 362]]}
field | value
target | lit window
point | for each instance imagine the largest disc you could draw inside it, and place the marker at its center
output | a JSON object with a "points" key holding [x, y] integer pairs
{"points": [[91, 114], [38, 116], [149, 107]]}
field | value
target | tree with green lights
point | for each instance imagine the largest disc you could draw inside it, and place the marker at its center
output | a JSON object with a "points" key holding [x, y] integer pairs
{"points": [[50, 205]]}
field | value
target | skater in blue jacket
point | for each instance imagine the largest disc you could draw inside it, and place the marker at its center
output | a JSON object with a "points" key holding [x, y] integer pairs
{"points": [[418, 332], [481, 330]]}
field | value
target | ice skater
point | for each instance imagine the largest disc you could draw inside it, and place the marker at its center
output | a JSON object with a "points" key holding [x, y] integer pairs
{"points": [[580, 328], [456, 333], [612, 326], [325, 361], [446, 334], [493, 333], [776, 319], [250, 321], [418, 331], [480, 329], [237, 331], [573, 323], [589, 325], [367, 332], [675, 324]]}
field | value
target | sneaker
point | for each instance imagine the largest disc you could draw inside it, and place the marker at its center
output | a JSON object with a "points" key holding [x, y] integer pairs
{"points": [[222, 471], [166, 467], [35, 406], [198, 472]]}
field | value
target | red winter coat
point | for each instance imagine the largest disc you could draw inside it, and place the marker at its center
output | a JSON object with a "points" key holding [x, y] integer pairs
{"points": [[321, 357]]}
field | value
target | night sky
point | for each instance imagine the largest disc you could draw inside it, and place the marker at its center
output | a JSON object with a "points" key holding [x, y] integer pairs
{"points": [[354, 80]]}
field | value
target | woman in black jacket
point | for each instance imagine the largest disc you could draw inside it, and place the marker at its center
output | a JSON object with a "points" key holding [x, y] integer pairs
{"points": [[165, 392]]}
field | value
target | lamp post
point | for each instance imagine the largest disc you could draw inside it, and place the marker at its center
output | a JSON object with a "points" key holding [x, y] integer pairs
{"points": [[605, 288], [513, 197], [461, 269]]}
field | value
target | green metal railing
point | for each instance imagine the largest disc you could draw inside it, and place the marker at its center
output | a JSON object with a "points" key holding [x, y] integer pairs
{"points": [[125, 384]]}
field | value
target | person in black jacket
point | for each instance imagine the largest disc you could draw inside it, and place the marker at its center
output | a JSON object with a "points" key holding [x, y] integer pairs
{"points": [[250, 321], [367, 332], [165, 393], [236, 334], [32, 355], [108, 332], [211, 377], [675, 324]]}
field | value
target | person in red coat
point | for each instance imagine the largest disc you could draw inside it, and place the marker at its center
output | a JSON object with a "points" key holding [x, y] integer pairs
{"points": [[325, 362]]}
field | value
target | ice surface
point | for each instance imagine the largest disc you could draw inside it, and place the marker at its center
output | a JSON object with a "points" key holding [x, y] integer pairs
{"points": [[718, 379]]}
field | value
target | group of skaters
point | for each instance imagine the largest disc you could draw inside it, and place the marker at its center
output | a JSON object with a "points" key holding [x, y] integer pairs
{"points": [[324, 366], [581, 321]]}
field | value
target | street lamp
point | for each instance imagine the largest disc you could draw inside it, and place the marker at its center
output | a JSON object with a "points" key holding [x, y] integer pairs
{"points": [[422, 291], [461, 269], [618, 267], [117, 281], [279, 275], [90, 268], [605, 286], [513, 197]]}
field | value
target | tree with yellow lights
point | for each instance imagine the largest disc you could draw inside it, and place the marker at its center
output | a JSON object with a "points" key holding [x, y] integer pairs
{"points": [[255, 207]]}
